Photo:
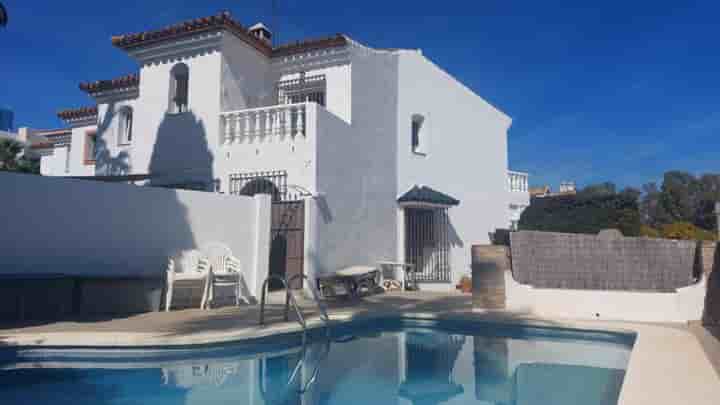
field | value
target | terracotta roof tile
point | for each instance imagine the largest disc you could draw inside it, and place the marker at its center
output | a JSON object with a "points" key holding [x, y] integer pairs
{"points": [[219, 21], [131, 80], [42, 145], [78, 113], [310, 45], [224, 20], [424, 194], [53, 132]]}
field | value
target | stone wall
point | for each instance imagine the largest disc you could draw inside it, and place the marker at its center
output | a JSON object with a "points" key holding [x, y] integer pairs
{"points": [[711, 270], [489, 264], [604, 262]]}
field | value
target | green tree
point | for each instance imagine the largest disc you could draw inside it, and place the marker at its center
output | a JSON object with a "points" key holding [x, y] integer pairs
{"points": [[583, 213], [652, 211], [3, 16], [10, 159], [600, 189], [679, 196]]}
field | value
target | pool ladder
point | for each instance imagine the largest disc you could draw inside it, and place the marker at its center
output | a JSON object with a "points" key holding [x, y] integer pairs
{"points": [[291, 301]]}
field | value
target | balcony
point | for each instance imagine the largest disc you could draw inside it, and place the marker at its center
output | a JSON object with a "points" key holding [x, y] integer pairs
{"points": [[517, 181], [280, 121]]}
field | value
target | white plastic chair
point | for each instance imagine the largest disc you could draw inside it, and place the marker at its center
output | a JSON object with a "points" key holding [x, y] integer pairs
{"points": [[186, 271], [225, 271], [229, 274]]}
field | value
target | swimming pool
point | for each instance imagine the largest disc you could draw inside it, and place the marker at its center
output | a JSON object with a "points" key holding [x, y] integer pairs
{"points": [[388, 361]]}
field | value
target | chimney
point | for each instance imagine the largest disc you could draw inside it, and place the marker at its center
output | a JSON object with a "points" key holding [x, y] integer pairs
{"points": [[261, 32]]}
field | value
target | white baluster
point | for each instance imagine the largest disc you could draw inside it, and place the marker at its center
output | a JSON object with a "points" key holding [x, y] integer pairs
{"points": [[276, 119], [268, 122], [225, 125], [300, 121], [258, 123], [246, 127], [287, 120], [236, 128]]}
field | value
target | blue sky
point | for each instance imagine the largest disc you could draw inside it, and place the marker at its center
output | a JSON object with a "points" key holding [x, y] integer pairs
{"points": [[614, 91]]}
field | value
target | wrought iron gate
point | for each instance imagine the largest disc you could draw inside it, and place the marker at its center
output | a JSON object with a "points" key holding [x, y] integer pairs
{"points": [[427, 244], [287, 240]]}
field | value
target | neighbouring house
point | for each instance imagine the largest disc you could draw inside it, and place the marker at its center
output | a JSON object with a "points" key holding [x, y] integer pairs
{"points": [[6, 120], [369, 154], [519, 196], [566, 188]]}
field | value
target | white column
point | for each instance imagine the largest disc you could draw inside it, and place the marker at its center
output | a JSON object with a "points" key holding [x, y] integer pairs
{"points": [[261, 246], [310, 253]]}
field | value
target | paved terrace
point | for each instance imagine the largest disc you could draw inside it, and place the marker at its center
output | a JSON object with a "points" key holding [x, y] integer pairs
{"points": [[669, 364]]}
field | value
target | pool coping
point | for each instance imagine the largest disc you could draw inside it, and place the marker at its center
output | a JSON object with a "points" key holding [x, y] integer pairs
{"points": [[667, 364]]}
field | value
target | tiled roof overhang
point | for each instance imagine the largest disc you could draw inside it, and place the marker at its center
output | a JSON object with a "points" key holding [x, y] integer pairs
{"points": [[49, 133], [224, 21], [220, 21], [124, 82], [42, 145], [426, 195], [337, 40], [78, 113]]}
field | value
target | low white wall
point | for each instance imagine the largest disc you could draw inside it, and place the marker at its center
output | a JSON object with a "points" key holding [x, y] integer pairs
{"points": [[684, 305], [87, 228]]}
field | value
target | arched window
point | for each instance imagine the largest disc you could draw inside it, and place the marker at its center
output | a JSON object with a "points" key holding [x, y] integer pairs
{"points": [[125, 122], [418, 135], [179, 80]]}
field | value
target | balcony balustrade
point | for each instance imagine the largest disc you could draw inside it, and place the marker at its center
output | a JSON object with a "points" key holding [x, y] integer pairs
{"points": [[278, 120], [517, 181]]}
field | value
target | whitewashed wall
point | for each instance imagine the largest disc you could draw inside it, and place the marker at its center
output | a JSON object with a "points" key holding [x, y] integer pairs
{"points": [[245, 80], [82, 227], [466, 152], [355, 218], [338, 81], [112, 156], [294, 154], [77, 152], [178, 147], [52, 163], [682, 306]]}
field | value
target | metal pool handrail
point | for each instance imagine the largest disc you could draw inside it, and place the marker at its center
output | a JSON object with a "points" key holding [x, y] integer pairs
{"points": [[321, 307], [288, 300]]}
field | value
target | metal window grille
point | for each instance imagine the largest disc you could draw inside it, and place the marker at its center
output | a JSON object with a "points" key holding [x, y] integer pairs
{"points": [[303, 89], [271, 182], [427, 243]]}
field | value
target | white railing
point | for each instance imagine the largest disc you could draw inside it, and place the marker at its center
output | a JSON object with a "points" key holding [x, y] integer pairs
{"points": [[278, 120], [517, 181]]}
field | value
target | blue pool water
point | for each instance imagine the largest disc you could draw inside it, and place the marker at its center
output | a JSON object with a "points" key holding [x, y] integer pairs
{"points": [[392, 361]]}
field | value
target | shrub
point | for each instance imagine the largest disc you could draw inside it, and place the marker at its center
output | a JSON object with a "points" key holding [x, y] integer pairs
{"points": [[649, 231], [686, 231], [583, 213]]}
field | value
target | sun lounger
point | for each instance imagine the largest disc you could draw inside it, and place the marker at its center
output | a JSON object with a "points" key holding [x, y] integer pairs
{"points": [[352, 281]]}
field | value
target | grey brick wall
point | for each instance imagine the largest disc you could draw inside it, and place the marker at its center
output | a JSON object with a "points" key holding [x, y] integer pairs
{"points": [[603, 262]]}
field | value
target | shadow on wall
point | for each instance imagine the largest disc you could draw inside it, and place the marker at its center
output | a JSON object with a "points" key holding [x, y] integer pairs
{"points": [[181, 158], [105, 163], [711, 312]]}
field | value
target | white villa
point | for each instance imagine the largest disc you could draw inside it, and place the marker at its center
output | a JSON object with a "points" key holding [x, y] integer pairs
{"points": [[369, 154]]}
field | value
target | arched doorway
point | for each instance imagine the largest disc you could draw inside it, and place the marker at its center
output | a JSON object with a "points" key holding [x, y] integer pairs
{"points": [[261, 186]]}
